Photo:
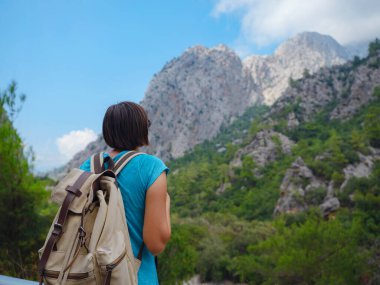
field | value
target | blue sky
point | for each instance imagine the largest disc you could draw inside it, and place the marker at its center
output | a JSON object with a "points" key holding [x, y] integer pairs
{"points": [[74, 58]]}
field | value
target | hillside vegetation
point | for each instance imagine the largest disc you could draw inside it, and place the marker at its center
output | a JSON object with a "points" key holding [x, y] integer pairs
{"points": [[229, 219], [25, 212]]}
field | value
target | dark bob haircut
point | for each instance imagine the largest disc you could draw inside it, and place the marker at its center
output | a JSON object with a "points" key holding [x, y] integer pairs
{"points": [[125, 126]]}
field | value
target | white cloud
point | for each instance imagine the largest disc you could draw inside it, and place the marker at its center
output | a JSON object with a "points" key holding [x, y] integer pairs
{"points": [[75, 141], [266, 22]]}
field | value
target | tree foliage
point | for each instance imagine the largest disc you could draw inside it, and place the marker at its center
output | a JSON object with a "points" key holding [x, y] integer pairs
{"points": [[22, 196], [226, 203]]}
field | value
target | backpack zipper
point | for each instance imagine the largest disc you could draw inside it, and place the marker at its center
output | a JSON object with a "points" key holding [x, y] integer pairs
{"points": [[75, 276], [110, 267]]}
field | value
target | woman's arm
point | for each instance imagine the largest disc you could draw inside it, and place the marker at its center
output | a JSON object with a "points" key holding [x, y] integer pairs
{"points": [[157, 229]]}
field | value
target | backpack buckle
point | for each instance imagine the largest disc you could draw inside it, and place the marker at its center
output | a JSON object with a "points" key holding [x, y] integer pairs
{"points": [[82, 232], [57, 229], [73, 190]]}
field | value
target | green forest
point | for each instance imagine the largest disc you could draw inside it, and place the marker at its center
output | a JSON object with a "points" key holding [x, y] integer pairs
{"points": [[25, 209], [234, 235], [231, 234]]}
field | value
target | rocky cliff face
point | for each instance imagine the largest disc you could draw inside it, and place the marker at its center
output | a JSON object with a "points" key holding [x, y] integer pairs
{"points": [[341, 91], [344, 88], [193, 96], [306, 51], [300, 188]]}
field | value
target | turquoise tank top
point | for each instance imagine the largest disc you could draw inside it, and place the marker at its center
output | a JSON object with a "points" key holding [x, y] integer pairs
{"points": [[134, 180]]}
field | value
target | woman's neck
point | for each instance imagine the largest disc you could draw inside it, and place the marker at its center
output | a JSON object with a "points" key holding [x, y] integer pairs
{"points": [[115, 152]]}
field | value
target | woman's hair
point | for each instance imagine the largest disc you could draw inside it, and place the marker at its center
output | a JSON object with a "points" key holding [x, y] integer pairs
{"points": [[125, 126]]}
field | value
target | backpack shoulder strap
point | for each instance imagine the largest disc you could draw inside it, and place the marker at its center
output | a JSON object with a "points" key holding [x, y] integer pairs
{"points": [[97, 162], [123, 161], [120, 164]]}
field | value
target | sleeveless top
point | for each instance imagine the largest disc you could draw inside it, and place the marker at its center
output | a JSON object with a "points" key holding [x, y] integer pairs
{"points": [[134, 180]]}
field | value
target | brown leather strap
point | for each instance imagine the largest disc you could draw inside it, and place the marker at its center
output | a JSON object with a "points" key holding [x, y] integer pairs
{"points": [[120, 162], [72, 192], [82, 236], [107, 281], [97, 164]]}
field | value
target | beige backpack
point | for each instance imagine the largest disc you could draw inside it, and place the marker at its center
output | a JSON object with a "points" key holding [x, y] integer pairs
{"points": [[88, 242]]}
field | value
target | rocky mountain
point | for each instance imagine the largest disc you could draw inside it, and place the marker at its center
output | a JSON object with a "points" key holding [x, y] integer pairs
{"points": [[340, 92], [306, 52], [345, 88], [195, 94]]}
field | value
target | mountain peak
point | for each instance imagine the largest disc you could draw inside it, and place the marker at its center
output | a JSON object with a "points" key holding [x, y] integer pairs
{"points": [[312, 41], [196, 49], [307, 50], [200, 49], [193, 95], [222, 47], [312, 36]]}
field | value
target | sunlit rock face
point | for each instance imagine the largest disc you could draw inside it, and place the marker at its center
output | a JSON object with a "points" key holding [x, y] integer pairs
{"points": [[306, 51], [193, 95]]}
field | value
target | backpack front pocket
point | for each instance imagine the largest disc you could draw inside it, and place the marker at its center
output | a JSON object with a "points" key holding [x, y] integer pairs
{"points": [[115, 271], [50, 277], [81, 271]]}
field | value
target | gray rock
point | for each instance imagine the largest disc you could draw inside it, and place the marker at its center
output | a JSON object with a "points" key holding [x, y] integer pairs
{"points": [[222, 188], [344, 88], [308, 50], [292, 121], [362, 168], [330, 205], [222, 149], [298, 181], [330, 190], [238, 141], [263, 148]]}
